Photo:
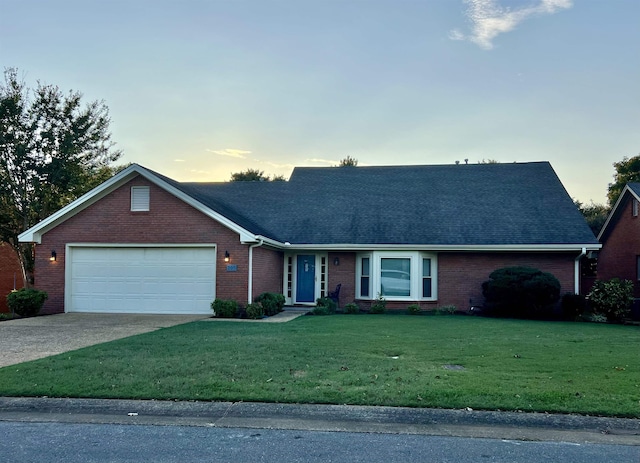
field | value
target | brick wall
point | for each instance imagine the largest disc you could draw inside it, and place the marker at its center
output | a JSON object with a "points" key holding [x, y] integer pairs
{"points": [[344, 274], [267, 271], [10, 272], [461, 274], [617, 258], [110, 220]]}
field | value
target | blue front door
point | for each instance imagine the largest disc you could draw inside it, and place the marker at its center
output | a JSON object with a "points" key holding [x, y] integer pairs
{"points": [[306, 278]]}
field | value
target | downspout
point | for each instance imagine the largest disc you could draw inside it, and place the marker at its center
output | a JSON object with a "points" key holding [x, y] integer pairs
{"points": [[250, 282], [576, 271]]}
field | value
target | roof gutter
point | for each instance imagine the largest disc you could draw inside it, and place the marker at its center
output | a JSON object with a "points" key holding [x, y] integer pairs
{"points": [[250, 282], [436, 247], [576, 270]]}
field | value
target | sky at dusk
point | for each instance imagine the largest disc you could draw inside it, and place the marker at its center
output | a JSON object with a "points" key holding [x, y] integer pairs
{"points": [[200, 89]]}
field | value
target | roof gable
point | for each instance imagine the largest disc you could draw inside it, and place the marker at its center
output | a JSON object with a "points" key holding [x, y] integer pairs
{"points": [[35, 233], [630, 190]]}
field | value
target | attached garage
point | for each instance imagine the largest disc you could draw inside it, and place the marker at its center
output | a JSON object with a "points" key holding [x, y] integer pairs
{"points": [[163, 279]]}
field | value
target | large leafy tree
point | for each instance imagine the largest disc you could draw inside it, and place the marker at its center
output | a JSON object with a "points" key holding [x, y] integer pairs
{"points": [[255, 175], [348, 162], [53, 149], [595, 215], [627, 170]]}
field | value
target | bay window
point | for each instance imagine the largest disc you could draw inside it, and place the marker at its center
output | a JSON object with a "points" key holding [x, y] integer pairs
{"points": [[396, 275]]}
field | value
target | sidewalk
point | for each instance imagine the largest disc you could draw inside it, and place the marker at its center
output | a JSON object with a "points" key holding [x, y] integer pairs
{"points": [[289, 313], [395, 420]]}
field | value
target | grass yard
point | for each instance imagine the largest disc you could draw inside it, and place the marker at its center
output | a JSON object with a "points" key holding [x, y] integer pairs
{"points": [[397, 360]]}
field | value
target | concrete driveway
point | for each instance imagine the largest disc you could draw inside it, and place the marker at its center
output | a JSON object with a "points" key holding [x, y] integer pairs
{"points": [[37, 337]]}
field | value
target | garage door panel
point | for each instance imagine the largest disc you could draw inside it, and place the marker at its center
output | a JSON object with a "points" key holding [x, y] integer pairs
{"points": [[141, 280]]}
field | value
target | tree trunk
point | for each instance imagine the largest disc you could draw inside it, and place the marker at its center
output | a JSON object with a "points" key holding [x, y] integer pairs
{"points": [[24, 251]]}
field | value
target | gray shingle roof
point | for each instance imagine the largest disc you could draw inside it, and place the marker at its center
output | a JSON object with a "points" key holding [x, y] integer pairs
{"points": [[479, 204]]}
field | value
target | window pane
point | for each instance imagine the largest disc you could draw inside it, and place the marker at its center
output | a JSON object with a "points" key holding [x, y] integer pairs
{"points": [[365, 266], [426, 287], [364, 286], [426, 267], [395, 277]]}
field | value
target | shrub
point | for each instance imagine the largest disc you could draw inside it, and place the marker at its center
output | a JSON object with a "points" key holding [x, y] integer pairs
{"points": [[351, 308], [224, 308], [272, 303], [573, 306], [320, 310], [445, 310], [520, 292], [255, 310], [379, 305], [26, 302], [413, 309], [595, 318], [330, 304], [612, 298]]}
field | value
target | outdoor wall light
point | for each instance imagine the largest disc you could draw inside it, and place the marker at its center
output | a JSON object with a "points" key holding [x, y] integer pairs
{"points": [[53, 256], [226, 256], [336, 261]]}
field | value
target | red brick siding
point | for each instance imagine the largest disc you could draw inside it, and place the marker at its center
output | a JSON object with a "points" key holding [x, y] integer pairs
{"points": [[169, 220], [461, 274], [10, 271], [617, 258], [342, 274], [268, 267]]}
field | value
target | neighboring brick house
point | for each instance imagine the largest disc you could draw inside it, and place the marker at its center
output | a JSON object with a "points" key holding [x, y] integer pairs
{"points": [[10, 274], [620, 238], [142, 242]]}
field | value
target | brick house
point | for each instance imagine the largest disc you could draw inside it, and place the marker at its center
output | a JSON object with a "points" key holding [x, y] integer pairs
{"points": [[142, 242], [10, 274], [620, 238]]}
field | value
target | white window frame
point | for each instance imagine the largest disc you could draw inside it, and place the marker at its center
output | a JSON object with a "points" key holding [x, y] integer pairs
{"points": [[140, 198], [359, 276], [415, 258]]}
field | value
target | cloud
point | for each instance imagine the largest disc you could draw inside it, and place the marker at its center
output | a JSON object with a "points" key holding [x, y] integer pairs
{"points": [[455, 34], [230, 152], [323, 161], [273, 164], [488, 19], [178, 160]]}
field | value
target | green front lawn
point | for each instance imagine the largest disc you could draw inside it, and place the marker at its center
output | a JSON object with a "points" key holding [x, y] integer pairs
{"points": [[393, 360]]}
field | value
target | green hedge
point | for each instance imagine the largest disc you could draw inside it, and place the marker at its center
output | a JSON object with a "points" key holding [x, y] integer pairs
{"points": [[224, 308], [26, 302], [520, 292], [272, 303]]}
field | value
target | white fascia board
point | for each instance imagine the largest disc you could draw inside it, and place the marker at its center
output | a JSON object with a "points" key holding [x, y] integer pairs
{"points": [[34, 234], [614, 209], [440, 247], [263, 240]]}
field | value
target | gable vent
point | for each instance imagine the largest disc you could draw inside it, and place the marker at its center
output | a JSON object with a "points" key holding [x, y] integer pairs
{"points": [[139, 198]]}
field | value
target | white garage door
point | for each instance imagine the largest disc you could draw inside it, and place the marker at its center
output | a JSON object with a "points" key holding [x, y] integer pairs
{"points": [[156, 280]]}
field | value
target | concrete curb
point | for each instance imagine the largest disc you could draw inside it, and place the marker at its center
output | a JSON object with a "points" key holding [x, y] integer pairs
{"points": [[395, 420]]}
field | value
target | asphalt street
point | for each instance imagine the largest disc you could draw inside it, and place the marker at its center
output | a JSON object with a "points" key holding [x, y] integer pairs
{"points": [[96, 430], [26, 442]]}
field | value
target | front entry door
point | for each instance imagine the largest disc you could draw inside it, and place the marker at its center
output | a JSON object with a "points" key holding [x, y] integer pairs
{"points": [[306, 278]]}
